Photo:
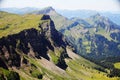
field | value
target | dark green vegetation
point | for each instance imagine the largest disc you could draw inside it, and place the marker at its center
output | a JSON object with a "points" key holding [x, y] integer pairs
{"points": [[9, 75], [32, 49]]}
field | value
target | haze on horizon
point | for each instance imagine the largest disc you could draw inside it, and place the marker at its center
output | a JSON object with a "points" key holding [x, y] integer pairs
{"points": [[99, 5]]}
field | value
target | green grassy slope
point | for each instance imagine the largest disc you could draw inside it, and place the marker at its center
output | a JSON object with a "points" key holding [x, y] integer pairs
{"points": [[117, 65], [12, 23], [60, 21], [80, 68]]}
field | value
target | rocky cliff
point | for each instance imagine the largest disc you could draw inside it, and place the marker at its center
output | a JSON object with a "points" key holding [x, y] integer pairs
{"points": [[33, 43]]}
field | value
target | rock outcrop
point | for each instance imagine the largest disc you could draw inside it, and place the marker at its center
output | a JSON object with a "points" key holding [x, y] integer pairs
{"points": [[32, 42]]}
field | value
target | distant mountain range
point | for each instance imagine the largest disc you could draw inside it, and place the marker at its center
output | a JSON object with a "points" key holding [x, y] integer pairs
{"points": [[113, 16], [19, 10]]}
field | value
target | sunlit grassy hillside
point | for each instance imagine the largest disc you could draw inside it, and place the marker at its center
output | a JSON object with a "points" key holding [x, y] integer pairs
{"points": [[12, 23]]}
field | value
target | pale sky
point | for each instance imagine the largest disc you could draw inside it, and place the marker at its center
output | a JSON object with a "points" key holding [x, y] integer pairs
{"points": [[104, 5]]}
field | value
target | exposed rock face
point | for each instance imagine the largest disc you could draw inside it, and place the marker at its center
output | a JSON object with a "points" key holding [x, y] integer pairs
{"points": [[50, 32], [32, 42]]}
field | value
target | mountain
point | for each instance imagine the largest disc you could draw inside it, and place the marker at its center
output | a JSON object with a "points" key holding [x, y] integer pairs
{"points": [[47, 11], [77, 13], [91, 26], [113, 16], [100, 21], [95, 38], [31, 48], [88, 28], [19, 10], [30, 42], [98, 42], [81, 21], [57, 18], [60, 21]]}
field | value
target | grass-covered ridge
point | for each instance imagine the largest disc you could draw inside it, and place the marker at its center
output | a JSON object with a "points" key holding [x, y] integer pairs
{"points": [[117, 65], [12, 23]]}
